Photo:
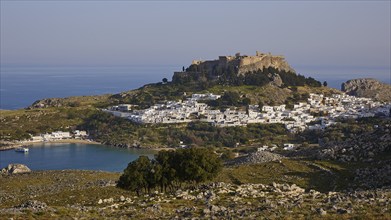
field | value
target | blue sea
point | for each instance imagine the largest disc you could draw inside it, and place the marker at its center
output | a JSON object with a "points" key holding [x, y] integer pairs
{"points": [[336, 75], [21, 86]]}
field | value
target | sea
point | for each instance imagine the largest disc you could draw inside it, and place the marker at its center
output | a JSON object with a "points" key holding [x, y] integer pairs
{"points": [[336, 75], [23, 85]]}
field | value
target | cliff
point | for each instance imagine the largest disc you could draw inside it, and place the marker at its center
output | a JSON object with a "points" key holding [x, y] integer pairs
{"points": [[369, 88]]}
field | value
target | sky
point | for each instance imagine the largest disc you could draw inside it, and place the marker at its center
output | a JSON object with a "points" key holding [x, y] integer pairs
{"points": [[92, 33]]}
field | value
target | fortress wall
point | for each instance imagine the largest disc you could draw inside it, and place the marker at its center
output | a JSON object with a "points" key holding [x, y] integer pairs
{"points": [[259, 62], [250, 60], [208, 65], [244, 64]]}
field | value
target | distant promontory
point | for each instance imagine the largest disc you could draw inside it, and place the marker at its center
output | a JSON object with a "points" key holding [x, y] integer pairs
{"points": [[368, 88]]}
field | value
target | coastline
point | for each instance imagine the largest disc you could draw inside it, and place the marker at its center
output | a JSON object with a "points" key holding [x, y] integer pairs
{"points": [[67, 141], [11, 146]]}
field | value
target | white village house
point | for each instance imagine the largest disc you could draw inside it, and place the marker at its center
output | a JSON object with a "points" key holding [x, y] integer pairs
{"points": [[295, 119]]}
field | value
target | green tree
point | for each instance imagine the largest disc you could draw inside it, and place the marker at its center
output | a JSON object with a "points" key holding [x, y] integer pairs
{"points": [[246, 101], [192, 165], [168, 173], [135, 175], [197, 164], [230, 98]]}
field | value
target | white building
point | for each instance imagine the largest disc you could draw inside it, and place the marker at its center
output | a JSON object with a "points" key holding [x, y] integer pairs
{"points": [[295, 120]]}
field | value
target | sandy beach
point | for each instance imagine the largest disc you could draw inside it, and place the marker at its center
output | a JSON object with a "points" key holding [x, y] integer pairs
{"points": [[68, 141], [9, 146]]}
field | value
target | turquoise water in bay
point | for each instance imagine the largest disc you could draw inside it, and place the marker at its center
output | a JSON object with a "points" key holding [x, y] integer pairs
{"points": [[60, 156]]}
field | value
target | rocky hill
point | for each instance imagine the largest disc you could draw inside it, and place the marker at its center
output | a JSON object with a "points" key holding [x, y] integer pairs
{"points": [[369, 88], [258, 70]]}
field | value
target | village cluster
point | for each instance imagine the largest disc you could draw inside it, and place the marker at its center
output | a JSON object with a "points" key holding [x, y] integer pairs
{"points": [[58, 135], [295, 119]]}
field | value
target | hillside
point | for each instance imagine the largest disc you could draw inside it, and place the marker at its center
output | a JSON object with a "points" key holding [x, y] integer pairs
{"points": [[258, 70]]}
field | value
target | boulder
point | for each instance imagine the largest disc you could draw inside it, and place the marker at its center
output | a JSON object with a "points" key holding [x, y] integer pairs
{"points": [[15, 168], [33, 205], [257, 157], [321, 211]]}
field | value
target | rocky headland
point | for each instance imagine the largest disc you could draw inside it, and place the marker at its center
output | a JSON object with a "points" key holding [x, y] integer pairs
{"points": [[368, 88]]}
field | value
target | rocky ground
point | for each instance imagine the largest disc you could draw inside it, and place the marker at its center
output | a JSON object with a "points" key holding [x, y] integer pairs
{"points": [[361, 148], [92, 194], [256, 158]]}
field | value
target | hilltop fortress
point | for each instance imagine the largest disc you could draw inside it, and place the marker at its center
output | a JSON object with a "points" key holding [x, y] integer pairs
{"points": [[239, 64]]}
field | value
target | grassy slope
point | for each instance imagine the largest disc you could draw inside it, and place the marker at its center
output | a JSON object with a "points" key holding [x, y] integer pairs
{"points": [[304, 173]]}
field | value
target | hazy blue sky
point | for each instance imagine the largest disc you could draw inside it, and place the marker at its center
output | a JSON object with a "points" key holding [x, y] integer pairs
{"points": [[327, 33]]}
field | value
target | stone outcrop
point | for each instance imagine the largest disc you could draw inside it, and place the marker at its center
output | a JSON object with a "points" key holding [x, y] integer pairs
{"points": [[276, 80], [256, 158], [15, 169], [46, 103], [369, 88], [220, 200], [260, 61], [33, 205]]}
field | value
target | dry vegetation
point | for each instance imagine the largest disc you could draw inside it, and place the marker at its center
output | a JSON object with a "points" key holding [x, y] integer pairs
{"points": [[78, 194]]}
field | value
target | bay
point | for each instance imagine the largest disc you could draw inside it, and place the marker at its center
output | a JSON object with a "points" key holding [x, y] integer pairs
{"points": [[60, 156]]}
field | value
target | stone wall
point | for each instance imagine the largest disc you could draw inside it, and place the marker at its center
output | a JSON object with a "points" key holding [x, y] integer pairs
{"points": [[253, 63], [243, 64], [240, 64]]}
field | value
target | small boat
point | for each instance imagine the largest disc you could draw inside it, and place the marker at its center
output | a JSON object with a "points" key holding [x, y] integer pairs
{"points": [[22, 149]]}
